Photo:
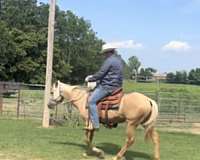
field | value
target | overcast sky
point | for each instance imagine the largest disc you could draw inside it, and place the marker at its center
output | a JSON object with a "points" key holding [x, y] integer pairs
{"points": [[163, 34]]}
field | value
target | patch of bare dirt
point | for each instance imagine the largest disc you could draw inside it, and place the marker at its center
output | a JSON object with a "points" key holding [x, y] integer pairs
{"points": [[14, 157], [194, 129]]}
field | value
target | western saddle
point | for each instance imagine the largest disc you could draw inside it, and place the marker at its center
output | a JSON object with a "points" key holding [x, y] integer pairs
{"points": [[110, 102]]}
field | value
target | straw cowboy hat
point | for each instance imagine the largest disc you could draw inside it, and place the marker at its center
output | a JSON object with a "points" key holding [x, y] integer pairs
{"points": [[107, 48]]}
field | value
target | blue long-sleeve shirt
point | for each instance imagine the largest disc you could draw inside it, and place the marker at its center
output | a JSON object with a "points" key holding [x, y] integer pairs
{"points": [[110, 74]]}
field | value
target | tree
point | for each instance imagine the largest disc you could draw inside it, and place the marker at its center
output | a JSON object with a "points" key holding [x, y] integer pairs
{"points": [[178, 77], [23, 43], [7, 55], [78, 45], [147, 73], [194, 76], [126, 70], [181, 77], [171, 77], [28, 42], [134, 65]]}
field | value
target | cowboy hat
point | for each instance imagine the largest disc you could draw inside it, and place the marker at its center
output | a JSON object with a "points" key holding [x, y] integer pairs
{"points": [[107, 48]]}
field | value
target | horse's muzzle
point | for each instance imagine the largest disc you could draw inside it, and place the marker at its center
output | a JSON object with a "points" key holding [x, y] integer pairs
{"points": [[52, 103]]}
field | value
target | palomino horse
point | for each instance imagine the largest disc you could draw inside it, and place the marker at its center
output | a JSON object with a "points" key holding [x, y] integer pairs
{"points": [[135, 109]]}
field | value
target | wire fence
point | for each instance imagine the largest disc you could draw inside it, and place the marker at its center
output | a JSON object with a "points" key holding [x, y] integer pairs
{"points": [[26, 101]]}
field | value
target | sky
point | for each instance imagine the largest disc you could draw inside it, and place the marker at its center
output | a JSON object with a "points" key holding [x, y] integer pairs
{"points": [[163, 34]]}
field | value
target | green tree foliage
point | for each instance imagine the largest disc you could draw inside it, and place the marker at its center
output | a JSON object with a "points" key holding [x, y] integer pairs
{"points": [[134, 65], [147, 73], [6, 51], [181, 76], [127, 72], [178, 77], [23, 43], [79, 47], [194, 76], [171, 77]]}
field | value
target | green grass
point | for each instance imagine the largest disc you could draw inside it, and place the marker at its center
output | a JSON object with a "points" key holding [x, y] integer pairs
{"points": [[130, 86], [26, 140]]}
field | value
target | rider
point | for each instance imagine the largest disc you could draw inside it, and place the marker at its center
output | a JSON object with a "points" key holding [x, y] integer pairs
{"points": [[109, 79]]}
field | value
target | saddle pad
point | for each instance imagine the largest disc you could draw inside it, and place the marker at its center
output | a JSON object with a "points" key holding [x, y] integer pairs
{"points": [[112, 99]]}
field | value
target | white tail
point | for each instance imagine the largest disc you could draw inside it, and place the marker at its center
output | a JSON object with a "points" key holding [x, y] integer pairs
{"points": [[150, 123]]}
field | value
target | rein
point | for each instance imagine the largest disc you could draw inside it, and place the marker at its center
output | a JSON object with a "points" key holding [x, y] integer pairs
{"points": [[59, 99]]}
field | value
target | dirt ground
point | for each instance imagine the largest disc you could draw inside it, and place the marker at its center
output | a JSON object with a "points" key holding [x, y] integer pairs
{"points": [[11, 156], [194, 129]]}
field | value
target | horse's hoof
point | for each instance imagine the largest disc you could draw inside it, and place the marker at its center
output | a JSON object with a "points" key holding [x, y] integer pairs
{"points": [[115, 158], [98, 152], [119, 158], [101, 155], [85, 155]]}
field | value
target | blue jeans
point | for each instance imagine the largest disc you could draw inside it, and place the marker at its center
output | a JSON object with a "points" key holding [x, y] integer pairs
{"points": [[96, 95]]}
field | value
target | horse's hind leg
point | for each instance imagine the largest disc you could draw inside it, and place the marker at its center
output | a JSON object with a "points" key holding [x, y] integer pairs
{"points": [[154, 136], [130, 133]]}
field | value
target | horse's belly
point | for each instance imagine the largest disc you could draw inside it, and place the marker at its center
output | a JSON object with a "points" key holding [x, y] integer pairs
{"points": [[113, 116]]}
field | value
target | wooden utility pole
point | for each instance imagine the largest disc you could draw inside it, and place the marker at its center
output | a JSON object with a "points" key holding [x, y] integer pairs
{"points": [[52, 4], [1, 98], [1, 102]]}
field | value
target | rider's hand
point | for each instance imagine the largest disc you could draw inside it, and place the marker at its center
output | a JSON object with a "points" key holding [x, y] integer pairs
{"points": [[88, 78]]}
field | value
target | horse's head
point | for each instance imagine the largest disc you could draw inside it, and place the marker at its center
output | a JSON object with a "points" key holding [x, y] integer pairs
{"points": [[61, 91], [57, 95]]}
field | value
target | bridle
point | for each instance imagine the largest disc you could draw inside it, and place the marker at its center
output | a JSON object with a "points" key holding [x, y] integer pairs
{"points": [[60, 98]]}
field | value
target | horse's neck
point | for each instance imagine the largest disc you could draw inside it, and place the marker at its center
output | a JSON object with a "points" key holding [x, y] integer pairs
{"points": [[80, 102]]}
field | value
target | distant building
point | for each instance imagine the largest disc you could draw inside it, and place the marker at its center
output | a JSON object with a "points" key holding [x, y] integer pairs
{"points": [[159, 76]]}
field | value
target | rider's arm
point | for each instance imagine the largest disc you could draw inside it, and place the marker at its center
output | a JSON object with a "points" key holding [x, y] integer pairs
{"points": [[102, 72]]}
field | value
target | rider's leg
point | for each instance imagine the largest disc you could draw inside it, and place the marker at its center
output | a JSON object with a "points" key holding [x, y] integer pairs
{"points": [[96, 95]]}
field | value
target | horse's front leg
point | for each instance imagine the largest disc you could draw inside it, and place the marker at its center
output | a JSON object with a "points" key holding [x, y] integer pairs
{"points": [[89, 137], [91, 149]]}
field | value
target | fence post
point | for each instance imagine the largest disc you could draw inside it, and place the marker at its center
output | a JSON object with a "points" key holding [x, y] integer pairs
{"points": [[56, 113], [184, 114], [18, 102], [179, 104], [158, 92], [1, 103], [158, 99], [1, 99]]}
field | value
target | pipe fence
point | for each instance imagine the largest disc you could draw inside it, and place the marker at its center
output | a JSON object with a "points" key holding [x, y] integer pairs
{"points": [[26, 101]]}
